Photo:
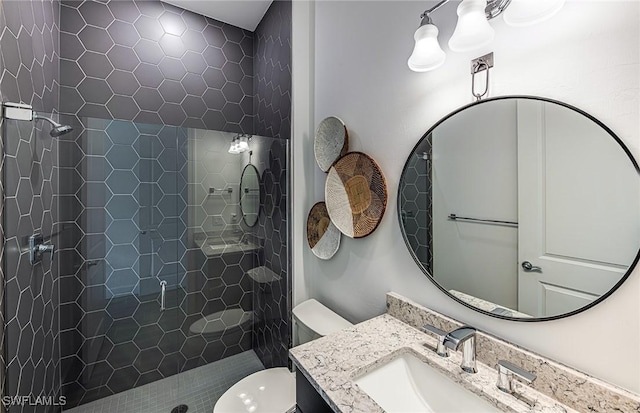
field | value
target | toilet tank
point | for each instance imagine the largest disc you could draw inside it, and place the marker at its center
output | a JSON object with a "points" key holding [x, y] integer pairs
{"points": [[314, 320]]}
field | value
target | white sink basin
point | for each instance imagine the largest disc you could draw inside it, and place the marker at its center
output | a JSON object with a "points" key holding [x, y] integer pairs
{"points": [[406, 384]]}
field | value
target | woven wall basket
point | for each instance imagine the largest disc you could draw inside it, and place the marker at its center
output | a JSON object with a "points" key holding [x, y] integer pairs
{"points": [[331, 142], [356, 195], [323, 237]]}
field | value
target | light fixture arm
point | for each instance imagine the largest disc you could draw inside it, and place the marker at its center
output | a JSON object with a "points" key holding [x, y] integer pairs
{"points": [[494, 9], [427, 13], [472, 30]]}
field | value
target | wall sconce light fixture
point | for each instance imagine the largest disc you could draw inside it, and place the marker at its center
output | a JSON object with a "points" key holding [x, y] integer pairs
{"points": [[473, 30], [526, 13], [239, 144], [427, 54]]}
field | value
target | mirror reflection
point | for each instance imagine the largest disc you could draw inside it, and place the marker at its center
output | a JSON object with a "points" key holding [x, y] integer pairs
{"points": [[521, 207], [250, 195]]}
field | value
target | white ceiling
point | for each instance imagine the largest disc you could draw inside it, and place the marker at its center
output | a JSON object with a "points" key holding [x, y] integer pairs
{"points": [[242, 13]]}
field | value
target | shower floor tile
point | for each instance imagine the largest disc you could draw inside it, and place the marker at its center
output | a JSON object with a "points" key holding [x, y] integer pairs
{"points": [[198, 388]]}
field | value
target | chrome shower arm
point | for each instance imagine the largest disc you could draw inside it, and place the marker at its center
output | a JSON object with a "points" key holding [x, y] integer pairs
{"points": [[53, 123], [20, 111]]}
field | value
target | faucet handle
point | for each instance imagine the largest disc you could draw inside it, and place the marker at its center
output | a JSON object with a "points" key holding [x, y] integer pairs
{"points": [[458, 336], [507, 371], [441, 350]]}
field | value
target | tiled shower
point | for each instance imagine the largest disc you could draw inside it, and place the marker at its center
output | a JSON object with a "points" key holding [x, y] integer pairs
{"points": [[417, 203], [142, 192]]}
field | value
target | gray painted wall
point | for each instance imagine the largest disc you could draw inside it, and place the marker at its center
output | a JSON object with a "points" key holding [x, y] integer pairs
{"points": [[388, 108]]}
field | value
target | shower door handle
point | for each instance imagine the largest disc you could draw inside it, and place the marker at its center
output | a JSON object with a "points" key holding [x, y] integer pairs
{"points": [[163, 290]]}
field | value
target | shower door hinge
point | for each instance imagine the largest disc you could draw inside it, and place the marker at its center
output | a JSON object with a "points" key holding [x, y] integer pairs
{"points": [[17, 111]]}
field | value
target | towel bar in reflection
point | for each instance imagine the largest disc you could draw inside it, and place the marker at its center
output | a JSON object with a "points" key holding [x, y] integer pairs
{"points": [[454, 217], [221, 191]]}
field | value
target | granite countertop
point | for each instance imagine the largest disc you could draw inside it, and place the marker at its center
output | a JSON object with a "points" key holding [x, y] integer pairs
{"points": [[331, 364], [488, 306]]}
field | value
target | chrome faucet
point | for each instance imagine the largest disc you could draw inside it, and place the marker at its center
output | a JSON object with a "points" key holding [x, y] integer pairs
{"points": [[507, 372], [464, 337]]}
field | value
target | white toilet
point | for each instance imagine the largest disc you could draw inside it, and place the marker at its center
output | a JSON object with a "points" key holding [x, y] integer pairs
{"points": [[274, 390]]}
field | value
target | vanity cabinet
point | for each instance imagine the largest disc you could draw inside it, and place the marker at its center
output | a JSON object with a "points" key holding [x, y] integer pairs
{"points": [[308, 400]]}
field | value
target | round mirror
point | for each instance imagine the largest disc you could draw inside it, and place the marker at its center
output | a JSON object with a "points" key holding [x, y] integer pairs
{"points": [[522, 208], [250, 195]]}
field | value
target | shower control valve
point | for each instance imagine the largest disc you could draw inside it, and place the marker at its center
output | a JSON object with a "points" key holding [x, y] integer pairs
{"points": [[37, 248]]}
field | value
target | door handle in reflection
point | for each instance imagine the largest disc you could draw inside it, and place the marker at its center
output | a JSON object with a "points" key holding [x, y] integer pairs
{"points": [[163, 290], [527, 266]]}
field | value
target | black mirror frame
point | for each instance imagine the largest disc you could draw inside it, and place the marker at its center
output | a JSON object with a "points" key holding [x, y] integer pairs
{"points": [[244, 217], [430, 277]]}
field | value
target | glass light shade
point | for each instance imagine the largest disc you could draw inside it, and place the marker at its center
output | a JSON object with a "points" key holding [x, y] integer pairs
{"points": [[473, 30], [427, 54], [234, 148], [522, 13], [243, 144]]}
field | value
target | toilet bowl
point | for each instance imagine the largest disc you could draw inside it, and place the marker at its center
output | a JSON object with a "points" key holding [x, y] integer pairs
{"points": [[274, 390], [270, 390]]}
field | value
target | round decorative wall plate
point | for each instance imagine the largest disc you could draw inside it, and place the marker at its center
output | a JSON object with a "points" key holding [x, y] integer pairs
{"points": [[322, 235], [331, 142], [356, 195]]}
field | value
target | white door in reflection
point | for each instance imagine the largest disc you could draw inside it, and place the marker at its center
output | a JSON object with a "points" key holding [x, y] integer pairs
{"points": [[578, 215]]}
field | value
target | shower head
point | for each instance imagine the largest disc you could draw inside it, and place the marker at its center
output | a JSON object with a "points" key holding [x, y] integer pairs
{"points": [[58, 129]]}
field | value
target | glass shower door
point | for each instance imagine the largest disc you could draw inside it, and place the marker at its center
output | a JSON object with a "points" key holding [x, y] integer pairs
{"points": [[236, 285], [138, 212], [119, 258]]}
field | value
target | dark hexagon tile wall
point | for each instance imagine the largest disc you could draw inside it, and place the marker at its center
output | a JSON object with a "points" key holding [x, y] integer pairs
{"points": [[272, 106], [147, 61], [3, 355], [272, 72], [272, 302], [216, 94], [29, 73], [417, 205], [32, 302]]}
